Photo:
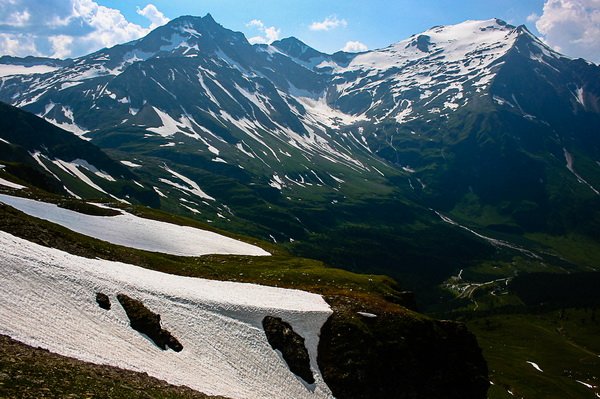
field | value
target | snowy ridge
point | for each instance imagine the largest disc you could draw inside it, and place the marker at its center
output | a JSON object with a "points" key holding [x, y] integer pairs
{"points": [[438, 68], [193, 82], [49, 301], [135, 232]]}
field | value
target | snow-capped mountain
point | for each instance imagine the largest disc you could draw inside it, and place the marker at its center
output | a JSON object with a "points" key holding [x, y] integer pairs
{"points": [[191, 77], [480, 120], [435, 72]]}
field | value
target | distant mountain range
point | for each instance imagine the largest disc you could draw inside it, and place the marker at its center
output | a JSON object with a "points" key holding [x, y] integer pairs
{"points": [[370, 161]]}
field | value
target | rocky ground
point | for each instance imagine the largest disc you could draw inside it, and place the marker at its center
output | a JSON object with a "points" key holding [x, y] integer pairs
{"points": [[27, 372]]}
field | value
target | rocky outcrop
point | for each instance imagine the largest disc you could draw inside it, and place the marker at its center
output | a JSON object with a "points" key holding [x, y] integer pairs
{"points": [[396, 353], [103, 301], [283, 338], [147, 322]]}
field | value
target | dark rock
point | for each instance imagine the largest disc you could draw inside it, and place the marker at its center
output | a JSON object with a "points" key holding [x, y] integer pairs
{"points": [[103, 300], [283, 338], [400, 354], [147, 322]]}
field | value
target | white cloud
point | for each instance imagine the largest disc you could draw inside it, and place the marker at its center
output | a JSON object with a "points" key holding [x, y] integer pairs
{"points": [[256, 23], [61, 45], [355, 47], [67, 28], [328, 23], [270, 33], [533, 17], [18, 18], [156, 17], [572, 27], [17, 44]]}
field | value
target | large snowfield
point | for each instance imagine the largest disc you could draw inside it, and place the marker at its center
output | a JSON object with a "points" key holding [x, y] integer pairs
{"points": [[135, 232], [48, 300]]}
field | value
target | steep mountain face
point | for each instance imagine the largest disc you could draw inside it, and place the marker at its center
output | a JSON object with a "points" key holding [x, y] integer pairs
{"points": [[50, 158], [480, 121], [510, 133]]}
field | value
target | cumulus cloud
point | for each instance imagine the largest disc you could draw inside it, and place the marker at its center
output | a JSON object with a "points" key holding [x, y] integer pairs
{"points": [[61, 45], [328, 23], [156, 17], [269, 33], [355, 47], [67, 28], [572, 27], [18, 18], [17, 44]]}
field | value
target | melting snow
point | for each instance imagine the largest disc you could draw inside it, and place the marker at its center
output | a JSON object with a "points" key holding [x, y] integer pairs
{"points": [[38, 158], [10, 184], [535, 366], [135, 232], [276, 182], [48, 301], [579, 96], [590, 386], [160, 193], [193, 186], [368, 315], [169, 125], [8, 69], [240, 147], [86, 165], [569, 160], [131, 164], [71, 168]]}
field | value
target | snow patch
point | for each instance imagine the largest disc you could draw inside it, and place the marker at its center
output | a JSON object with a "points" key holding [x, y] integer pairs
{"points": [[169, 125], [86, 165], [71, 168], [192, 187], [160, 193], [276, 182], [8, 69], [585, 384], [535, 366], [6, 183], [131, 164], [135, 232], [48, 301], [569, 160], [367, 315]]}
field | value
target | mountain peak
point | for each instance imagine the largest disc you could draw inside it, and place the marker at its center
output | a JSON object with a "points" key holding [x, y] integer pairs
{"points": [[209, 18], [193, 20], [296, 48]]}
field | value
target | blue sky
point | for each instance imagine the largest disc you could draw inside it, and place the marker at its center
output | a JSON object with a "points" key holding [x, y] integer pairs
{"points": [[70, 28], [376, 23]]}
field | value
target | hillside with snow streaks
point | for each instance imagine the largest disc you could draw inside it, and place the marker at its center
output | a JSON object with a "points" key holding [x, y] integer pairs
{"points": [[48, 300], [135, 232]]}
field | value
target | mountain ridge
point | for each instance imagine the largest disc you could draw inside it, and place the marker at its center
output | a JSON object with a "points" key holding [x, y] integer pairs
{"points": [[479, 121]]}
